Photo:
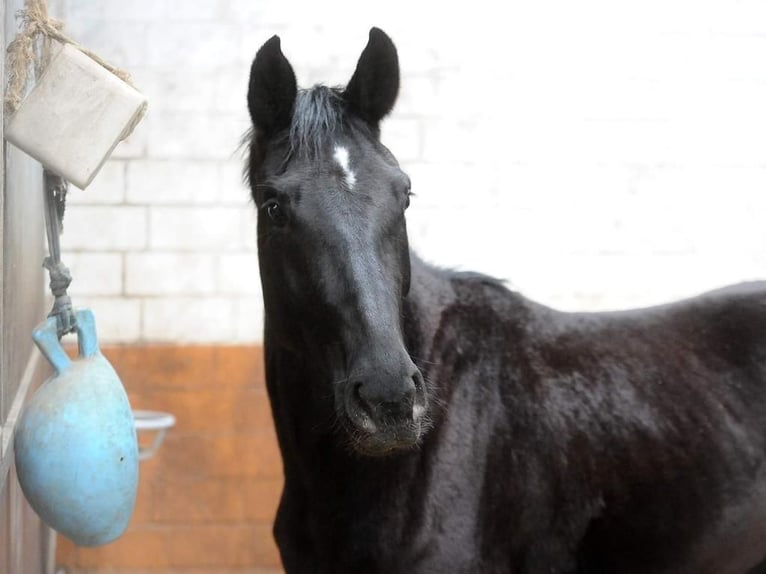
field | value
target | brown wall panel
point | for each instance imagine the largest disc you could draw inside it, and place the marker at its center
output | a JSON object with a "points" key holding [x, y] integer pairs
{"points": [[207, 500]]}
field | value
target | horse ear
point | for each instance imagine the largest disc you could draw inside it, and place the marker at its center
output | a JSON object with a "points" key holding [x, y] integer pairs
{"points": [[272, 91], [374, 86]]}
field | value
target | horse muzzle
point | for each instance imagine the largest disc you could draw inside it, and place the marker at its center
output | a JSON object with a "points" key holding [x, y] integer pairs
{"points": [[385, 413]]}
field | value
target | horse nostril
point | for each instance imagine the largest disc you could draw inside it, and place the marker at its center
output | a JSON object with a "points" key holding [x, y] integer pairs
{"points": [[417, 381], [359, 398], [365, 397]]}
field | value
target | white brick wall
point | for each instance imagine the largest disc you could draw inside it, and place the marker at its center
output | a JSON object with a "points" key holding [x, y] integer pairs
{"points": [[90, 228], [161, 274], [596, 154], [159, 182]]}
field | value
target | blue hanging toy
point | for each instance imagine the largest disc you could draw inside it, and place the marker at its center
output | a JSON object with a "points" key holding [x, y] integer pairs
{"points": [[76, 449], [75, 444]]}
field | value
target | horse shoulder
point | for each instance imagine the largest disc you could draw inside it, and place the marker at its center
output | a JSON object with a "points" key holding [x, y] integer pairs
{"points": [[605, 425]]}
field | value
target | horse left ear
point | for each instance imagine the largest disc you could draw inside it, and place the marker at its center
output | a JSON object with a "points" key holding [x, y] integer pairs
{"points": [[374, 86], [272, 90]]}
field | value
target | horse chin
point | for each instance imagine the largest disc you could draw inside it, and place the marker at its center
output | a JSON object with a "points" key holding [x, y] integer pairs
{"points": [[385, 441], [377, 446]]}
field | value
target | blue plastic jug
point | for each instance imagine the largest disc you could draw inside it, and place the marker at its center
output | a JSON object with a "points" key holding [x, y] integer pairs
{"points": [[75, 444]]}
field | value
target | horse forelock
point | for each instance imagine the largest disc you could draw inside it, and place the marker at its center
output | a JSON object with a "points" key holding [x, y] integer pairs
{"points": [[318, 116]]}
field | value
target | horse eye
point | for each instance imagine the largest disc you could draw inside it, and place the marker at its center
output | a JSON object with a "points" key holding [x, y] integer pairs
{"points": [[407, 201], [275, 213]]}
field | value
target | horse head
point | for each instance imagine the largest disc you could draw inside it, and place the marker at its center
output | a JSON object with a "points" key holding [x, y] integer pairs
{"points": [[332, 241]]}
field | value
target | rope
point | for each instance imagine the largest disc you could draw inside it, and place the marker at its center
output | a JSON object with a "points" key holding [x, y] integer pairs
{"points": [[55, 198], [22, 54], [62, 306]]}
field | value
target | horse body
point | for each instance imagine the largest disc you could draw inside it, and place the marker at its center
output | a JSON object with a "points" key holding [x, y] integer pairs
{"points": [[627, 442], [437, 422]]}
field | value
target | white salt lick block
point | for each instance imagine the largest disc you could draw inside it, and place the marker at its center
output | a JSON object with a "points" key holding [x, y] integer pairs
{"points": [[74, 116]]}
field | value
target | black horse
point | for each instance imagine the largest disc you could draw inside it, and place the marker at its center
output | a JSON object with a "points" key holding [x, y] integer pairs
{"points": [[436, 422]]}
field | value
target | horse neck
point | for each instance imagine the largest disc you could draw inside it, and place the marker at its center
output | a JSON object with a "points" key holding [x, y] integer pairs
{"points": [[430, 293]]}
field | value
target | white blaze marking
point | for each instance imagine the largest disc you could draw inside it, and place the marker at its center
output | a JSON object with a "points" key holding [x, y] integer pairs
{"points": [[341, 156]]}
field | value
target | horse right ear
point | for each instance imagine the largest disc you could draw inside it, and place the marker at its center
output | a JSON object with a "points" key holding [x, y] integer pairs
{"points": [[373, 87], [272, 91]]}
